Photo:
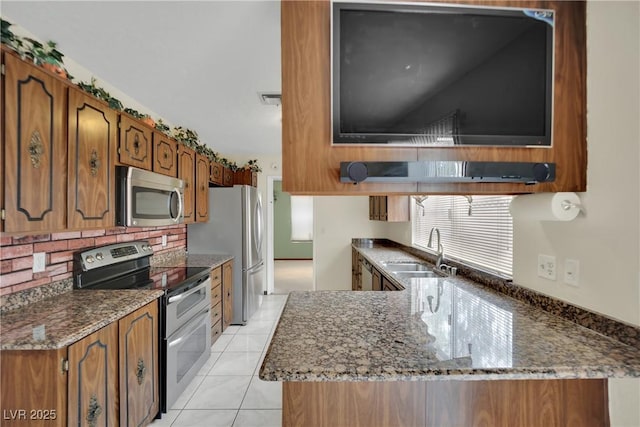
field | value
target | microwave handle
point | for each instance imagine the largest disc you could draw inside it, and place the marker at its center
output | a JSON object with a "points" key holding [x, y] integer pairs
{"points": [[175, 190]]}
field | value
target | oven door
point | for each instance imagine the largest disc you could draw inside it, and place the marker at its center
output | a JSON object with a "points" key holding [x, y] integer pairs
{"points": [[182, 307], [187, 351]]}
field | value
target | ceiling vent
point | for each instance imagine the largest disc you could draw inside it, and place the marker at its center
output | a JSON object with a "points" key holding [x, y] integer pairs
{"points": [[270, 98]]}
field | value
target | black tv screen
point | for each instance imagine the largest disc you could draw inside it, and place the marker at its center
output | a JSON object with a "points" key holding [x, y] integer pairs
{"points": [[429, 75]]}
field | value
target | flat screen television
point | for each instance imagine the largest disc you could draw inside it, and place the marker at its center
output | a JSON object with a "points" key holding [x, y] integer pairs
{"points": [[434, 75]]}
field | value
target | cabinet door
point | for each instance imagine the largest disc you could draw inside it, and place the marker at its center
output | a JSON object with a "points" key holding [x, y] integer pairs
{"points": [[398, 208], [93, 379], [382, 208], [186, 172], [139, 386], [216, 174], [31, 380], [35, 148], [135, 143], [165, 155], [202, 188], [227, 294], [227, 177], [376, 280], [92, 148]]}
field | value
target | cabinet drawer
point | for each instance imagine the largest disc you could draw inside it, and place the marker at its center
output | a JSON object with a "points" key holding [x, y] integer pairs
{"points": [[216, 314], [216, 276], [216, 331], [216, 295]]}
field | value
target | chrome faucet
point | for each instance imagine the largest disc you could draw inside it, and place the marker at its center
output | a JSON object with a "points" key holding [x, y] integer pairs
{"points": [[439, 249]]}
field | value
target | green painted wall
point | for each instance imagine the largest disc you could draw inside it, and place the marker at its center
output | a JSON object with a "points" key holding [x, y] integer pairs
{"points": [[283, 247]]}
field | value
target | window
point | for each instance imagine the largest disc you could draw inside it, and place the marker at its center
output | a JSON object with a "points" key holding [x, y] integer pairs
{"points": [[301, 218], [475, 230]]}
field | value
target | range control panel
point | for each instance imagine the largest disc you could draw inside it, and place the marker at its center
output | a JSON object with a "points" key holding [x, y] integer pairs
{"points": [[113, 254]]}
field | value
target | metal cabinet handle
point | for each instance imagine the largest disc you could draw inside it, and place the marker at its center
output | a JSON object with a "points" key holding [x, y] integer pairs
{"points": [[136, 144], [94, 411], [141, 371], [94, 162], [36, 149]]}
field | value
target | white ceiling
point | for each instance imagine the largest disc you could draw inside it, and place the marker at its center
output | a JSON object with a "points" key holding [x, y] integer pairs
{"points": [[199, 65]]}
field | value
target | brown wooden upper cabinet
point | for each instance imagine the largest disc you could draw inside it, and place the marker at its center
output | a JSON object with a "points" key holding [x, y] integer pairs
{"points": [[389, 208], [35, 148], [216, 174], [136, 143], [186, 172], [311, 165], [202, 188], [165, 154], [227, 177], [92, 149]]}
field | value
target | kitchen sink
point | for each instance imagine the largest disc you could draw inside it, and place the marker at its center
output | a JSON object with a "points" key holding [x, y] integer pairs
{"points": [[416, 274], [406, 266]]}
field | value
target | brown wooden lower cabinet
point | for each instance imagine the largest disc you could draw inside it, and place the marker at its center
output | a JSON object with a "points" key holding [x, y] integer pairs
{"points": [[508, 403], [227, 294], [105, 379], [139, 369]]}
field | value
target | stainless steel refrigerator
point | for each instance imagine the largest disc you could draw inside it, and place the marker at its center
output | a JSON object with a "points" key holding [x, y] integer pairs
{"points": [[235, 227]]}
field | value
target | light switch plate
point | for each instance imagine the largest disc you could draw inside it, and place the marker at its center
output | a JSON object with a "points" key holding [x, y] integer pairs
{"points": [[164, 240], [572, 272], [39, 262], [547, 267]]}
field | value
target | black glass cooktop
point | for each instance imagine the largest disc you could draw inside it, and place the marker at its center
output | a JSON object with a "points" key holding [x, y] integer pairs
{"points": [[171, 279]]}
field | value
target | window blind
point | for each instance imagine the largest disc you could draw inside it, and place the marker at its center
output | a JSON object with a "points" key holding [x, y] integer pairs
{"points": [[475, 230]]}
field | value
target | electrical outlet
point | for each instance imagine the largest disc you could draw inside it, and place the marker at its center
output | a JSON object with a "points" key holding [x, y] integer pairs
{"points": [[39, 262], [571, 272], [164, 240], [547, 267]]}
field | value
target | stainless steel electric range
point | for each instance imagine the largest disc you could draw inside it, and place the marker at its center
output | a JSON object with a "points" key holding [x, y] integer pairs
{"points": [[185, 321]]}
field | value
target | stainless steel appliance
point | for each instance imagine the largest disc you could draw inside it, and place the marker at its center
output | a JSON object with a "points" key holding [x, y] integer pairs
{"points": [[235, 227], [147, 199], [185, 309]]}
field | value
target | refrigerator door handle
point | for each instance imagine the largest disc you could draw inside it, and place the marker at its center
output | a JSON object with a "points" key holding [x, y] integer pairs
{"points": [[255, 267], [257, 238]]}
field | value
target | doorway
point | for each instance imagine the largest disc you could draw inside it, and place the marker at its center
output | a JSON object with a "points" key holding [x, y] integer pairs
{"points": [[291, 240]]}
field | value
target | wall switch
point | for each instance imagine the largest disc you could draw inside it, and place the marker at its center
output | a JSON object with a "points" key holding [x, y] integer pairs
{"points": [[547, 267], [39, 262], [164, 240], [571, 272]]}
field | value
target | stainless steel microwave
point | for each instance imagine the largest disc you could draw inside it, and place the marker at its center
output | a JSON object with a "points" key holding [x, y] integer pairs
{"points": [[146, 199]]}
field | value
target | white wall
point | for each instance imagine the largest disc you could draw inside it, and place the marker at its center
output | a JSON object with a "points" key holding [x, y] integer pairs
{"points": [[606, 240], [338, 219]]}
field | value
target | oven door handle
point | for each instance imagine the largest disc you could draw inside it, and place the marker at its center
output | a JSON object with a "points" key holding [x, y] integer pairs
{"points": [[197, 319], [198, 288]]}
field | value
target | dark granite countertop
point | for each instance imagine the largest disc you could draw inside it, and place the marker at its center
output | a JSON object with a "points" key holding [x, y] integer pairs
{"points": [[195, 260], [437, 328], [66, 318]]}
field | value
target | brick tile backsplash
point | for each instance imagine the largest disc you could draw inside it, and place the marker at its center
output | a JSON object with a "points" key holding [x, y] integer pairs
{"points": [[16, 260]]}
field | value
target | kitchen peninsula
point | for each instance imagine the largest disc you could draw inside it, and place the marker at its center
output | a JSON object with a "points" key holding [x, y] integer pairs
{"points": [[443, 352]]}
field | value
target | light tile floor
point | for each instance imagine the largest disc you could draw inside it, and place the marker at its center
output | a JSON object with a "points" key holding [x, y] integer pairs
{"points": [[227, 391]]}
